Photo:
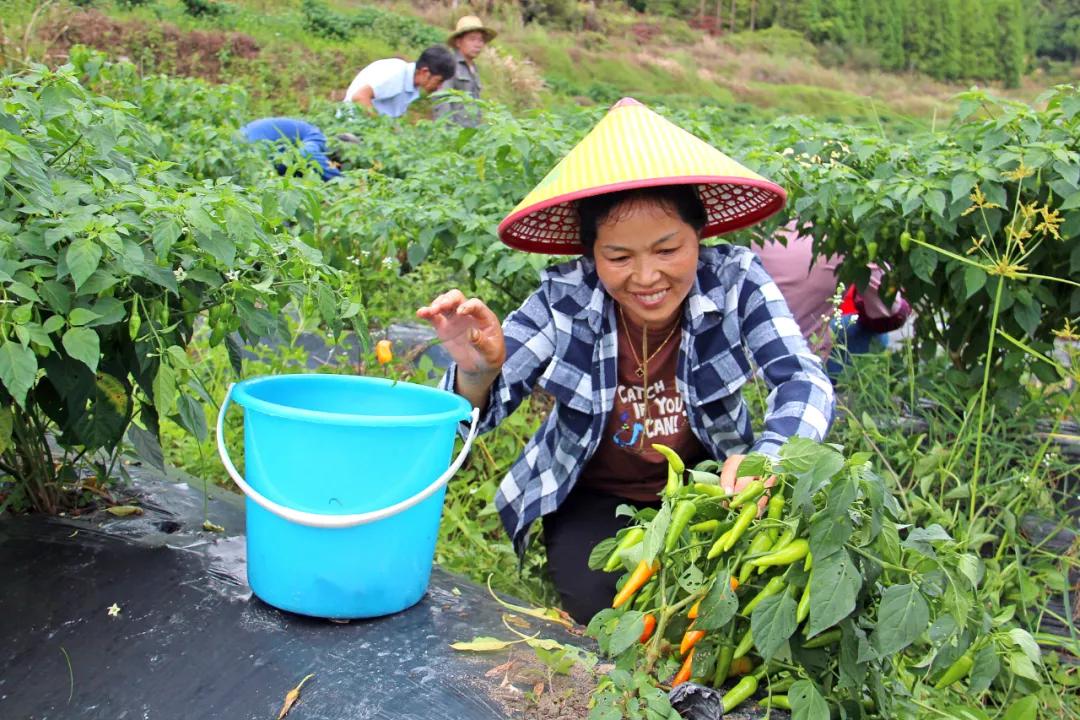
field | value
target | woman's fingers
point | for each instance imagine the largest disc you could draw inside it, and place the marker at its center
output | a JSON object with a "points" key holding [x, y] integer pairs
{"points": [[444, 304], [728, 481]]}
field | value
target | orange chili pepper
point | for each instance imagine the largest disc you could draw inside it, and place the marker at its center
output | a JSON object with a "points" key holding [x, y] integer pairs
{"points": [[650, 626], [689, 640], [684, 672], [637, 579], [741, 666], [383, 353]]}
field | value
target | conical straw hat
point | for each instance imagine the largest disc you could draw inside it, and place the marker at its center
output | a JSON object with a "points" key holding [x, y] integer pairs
{"points": [[469, 23], [633, 147]]}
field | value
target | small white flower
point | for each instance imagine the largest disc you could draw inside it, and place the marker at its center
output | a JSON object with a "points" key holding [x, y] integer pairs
{"points": [[179, 273], [114, 610], [232, 275], [788, 151]]}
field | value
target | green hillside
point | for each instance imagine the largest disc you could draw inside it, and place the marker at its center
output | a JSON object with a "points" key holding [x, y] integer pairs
{"points": [[291, 53]]}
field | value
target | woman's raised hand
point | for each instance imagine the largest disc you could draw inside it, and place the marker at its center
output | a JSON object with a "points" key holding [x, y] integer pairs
{"points": [[733, 484], [469, 331]]}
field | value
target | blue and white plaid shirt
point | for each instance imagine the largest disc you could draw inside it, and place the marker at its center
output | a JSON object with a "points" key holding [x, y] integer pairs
{"points": [[563, 338]]}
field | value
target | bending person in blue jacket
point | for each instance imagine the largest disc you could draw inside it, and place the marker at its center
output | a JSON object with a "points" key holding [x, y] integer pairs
{"points": [[290, 131]]}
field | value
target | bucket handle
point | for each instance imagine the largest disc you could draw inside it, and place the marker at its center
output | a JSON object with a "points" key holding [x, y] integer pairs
{"points": [[320, 520]]}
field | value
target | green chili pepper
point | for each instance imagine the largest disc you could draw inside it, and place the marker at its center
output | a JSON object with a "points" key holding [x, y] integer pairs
{"points": [[711, 490], [773, 587], [776, 702], [802, 610], [795, 551], [753, 490], [723, 664], [674, 482], [782, 542], [632, 537], [806, 566], [758, 546], [742, 691], [746, 516], [825, 639], [955, 672], [744, 645], [718, 546], [905, 241], [706, 526], [680, 518], [781, 686], [775, 512], [674, 461]]}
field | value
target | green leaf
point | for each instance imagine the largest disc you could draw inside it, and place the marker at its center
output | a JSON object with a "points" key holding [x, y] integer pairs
{"points": [[923, 261], [83, 344], [806, 702], [828, 535], [936, 200], [961, 185], [18, 370], [719, 604], [970, 566], [147, 447], [192, 416], [1023, 640], [627, 632], [974, 280], [965, 712], [920, 539], [82, 316], [834, 585], [903, 615], [7, 424], [164, 236], [772, 623], [986, 668], [599, 554], [1027, 315], [165, 393], [1021, 665], [654, 534], [82, 257], [1026, 708]]}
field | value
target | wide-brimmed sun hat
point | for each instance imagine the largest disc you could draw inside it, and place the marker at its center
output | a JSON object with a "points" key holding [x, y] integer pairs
{"points": [[468, 24], [634, 147]]}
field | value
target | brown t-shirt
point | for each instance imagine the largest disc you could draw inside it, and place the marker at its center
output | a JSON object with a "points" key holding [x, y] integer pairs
{"points": [[625, 463]]}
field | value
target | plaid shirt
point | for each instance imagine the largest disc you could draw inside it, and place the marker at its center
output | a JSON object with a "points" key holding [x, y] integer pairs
{"points": [[563, 338]]}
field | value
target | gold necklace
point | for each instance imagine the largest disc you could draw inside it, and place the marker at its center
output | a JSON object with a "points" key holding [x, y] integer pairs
{"points": [[640, 372]]}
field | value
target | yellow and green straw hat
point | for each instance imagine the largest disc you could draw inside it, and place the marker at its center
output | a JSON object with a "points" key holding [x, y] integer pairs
{"points": [[633, 147]]}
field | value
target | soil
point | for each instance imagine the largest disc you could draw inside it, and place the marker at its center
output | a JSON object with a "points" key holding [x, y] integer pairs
{"points": [[160, 48], [528, 689]]}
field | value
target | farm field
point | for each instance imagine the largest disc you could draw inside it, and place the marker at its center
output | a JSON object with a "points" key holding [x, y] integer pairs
{"points": [[148, 260]]}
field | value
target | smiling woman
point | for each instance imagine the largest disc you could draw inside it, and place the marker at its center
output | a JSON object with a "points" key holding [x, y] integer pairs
{"points": [[643, 340]]}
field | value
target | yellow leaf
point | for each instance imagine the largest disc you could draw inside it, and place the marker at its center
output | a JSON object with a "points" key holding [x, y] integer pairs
{"points": [[548, 614], [211, 527], [484, 644], [291, 697], [124, 510]]}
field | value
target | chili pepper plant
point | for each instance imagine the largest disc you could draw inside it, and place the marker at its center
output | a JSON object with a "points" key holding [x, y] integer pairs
{"points": [[821, 601]]}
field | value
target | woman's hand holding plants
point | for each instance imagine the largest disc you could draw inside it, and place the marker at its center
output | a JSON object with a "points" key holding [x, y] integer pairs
{"points": [[734, 485]]}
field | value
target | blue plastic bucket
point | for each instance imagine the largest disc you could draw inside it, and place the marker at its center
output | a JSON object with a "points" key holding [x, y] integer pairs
{"points": [[345, 481]]}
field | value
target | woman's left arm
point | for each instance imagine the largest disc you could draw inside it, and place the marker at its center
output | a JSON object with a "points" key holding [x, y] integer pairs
{"points": [[801, 400]]}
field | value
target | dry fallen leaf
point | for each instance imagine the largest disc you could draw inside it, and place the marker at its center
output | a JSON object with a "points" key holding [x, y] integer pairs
{"points": [[538, 689], [518, 621], [211, 527], [500, 669], [292, 696], [124, 510]]}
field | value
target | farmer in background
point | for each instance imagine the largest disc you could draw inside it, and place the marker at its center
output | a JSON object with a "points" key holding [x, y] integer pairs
{"points": [[647, 337], [858, 325], [468, 40], [284, 133], [389, 86]]}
